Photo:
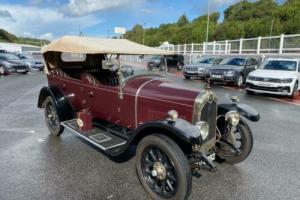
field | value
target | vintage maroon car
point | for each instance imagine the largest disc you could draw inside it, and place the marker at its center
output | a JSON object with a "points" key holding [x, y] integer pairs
{"points": [[176, 130]]}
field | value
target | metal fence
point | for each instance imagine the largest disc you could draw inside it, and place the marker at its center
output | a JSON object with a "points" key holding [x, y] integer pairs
{"points": [[283, 44]]}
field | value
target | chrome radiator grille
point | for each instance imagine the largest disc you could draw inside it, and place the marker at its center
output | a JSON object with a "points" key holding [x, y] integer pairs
{"points": [[205, 109]]}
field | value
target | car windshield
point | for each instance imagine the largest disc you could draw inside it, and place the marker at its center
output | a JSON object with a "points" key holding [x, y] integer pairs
{"points": [[156, 57], [233, 61], [31, 56], [9, 57], [284, 65], [204, 60]]}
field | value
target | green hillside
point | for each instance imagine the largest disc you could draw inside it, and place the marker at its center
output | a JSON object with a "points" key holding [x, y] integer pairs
{"points": [[8, 37], [245, 19]]}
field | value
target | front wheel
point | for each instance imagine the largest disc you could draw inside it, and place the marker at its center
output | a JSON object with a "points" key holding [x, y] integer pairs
{"points": [[2, 70], [51, 117], [163, 169], [295, 92], [239, 81], [242, 139]]}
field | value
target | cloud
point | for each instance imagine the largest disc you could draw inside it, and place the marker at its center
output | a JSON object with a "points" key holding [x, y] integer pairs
{"points": [[43, 22], [83, 7], [5, 14], [47, 36]]}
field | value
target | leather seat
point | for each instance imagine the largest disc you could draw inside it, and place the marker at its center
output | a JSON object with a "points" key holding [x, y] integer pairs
{"points": [[89, 78]]}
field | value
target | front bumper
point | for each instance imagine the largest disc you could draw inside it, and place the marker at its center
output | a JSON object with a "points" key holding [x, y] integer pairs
{"points": [[196, 74], [270, 88], [222, 78], [37, 67]]}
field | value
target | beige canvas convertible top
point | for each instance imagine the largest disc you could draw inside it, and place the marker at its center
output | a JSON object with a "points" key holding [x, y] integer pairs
{"points": [[91, 45]]}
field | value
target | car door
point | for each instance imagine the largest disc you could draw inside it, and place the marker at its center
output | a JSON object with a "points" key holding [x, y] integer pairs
{"points": [[299, 74], [250, 65]]}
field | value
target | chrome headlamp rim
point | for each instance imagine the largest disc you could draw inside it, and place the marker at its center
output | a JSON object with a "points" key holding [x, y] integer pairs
{"points": [[233, 117], [203, 129]]}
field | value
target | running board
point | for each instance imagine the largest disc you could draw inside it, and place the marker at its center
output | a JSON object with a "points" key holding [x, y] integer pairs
{"points": [[102, 139]]}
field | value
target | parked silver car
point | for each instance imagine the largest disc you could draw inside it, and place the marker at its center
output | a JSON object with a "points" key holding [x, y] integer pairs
{"points": [[199, 68]]}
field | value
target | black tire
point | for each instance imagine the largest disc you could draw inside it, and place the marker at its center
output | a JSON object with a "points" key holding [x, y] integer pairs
{"points": [[187, 77], [295, 91], [177, 183], [179, 67], [150, 68], [53, 121], [239, 81], [246, 145], [2, 70], [163, 67], [25, 72], [249, 92]]}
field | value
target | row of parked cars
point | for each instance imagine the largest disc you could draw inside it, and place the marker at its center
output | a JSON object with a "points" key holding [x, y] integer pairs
{"points": [[272, 75], [20, 63]]}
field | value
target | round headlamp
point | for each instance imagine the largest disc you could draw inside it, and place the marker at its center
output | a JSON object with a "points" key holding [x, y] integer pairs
{"points": [[172, 115], [203, 128], [232, 117]]}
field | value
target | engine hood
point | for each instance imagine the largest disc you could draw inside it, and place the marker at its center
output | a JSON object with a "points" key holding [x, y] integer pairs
{"points": [[264, 73], [227, 67], [15, 62]]}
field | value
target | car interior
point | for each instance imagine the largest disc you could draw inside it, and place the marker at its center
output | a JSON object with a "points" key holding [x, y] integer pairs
{"points": [[89, 71]]}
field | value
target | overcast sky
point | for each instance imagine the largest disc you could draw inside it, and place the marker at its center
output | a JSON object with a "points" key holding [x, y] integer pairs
{"points": [[50, 19]]}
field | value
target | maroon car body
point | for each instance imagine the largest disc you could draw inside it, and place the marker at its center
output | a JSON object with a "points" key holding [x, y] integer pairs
{"points": [[171, 124]]}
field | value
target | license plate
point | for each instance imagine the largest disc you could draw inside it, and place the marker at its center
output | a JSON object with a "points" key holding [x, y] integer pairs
{"points": [[151, 65], [264, 84], [20, 70], [217, 76]]}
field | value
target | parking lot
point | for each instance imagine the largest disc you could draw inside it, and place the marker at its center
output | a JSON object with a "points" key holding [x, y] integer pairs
{"points": [[35, 165]]}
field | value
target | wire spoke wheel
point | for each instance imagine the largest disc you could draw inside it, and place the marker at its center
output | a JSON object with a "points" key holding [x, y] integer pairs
{"points": [[51, 117], [163, 169], [159, 172], [238, 144]]}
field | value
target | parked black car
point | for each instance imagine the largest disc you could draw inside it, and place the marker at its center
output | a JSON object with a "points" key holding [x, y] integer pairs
{"points": [[10, 63], [173, 61], [233, 70]]}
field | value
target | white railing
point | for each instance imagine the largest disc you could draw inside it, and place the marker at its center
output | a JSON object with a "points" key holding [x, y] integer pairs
{"points": [[282, 44]]}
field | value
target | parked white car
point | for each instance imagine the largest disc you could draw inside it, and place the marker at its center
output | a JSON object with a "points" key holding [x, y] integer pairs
{"points": [[275, 76]]}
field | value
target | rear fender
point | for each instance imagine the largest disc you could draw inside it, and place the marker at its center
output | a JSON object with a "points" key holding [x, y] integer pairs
{"points": [[64, 108]]}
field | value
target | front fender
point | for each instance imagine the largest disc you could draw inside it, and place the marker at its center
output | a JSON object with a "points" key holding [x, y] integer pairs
{"points": [[180, 128], [245, 110], [64, 108]]}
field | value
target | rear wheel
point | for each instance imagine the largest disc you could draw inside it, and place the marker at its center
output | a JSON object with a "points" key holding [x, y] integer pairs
{"points": [[187, 77], [163, 169], [51, 117]]}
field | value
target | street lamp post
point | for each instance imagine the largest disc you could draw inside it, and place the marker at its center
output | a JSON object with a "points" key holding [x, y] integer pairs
{"points": [[144, 33], [207, 24]]}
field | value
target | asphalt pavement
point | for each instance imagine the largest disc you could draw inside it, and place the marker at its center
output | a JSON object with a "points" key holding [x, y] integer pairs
{"points": [[35, 165]]}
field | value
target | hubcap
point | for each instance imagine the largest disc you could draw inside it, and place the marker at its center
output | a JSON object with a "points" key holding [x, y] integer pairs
{"points": [[159, 171]]}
